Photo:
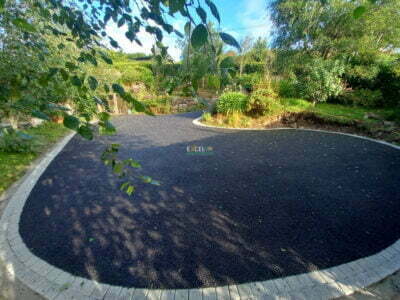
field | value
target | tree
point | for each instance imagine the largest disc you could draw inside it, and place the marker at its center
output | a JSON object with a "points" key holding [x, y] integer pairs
{"points": [[329, 29], [34, 27], [246, 44]]}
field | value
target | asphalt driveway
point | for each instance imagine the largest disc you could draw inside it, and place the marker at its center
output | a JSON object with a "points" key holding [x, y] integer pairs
{"points": [[258, 205]]}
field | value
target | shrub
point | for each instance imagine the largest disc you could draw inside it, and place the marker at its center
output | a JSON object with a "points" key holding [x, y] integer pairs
{"points": [[287, 88], [320, 79], [254, 67], [13, 141], [362, 97], [263, 101], [206, 117], [231, 102], [248, 81], [388, 81]]}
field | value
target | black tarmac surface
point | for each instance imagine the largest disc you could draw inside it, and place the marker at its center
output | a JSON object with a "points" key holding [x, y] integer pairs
{"points": [[263, 205]]}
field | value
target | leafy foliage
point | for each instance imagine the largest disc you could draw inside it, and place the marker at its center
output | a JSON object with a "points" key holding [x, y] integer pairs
{"points": [[320, 79], [362, 97], [13, 141], [231, 102], [262, 102]]}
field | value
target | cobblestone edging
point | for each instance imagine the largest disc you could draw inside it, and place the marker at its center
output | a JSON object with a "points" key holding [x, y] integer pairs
{"points": [[53, 283]]}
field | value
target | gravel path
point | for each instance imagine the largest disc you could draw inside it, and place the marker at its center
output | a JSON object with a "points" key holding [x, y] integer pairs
{"points": [[262, 205]]}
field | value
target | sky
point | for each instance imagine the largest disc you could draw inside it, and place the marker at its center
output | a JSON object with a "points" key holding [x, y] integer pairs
{"points": [[238, 18]]}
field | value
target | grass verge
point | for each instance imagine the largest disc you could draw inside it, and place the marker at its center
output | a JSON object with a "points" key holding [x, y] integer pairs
{"points": [[14, 165]]}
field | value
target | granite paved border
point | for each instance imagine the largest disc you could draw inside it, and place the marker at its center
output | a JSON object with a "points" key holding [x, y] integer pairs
{"points": [[53, 283]]}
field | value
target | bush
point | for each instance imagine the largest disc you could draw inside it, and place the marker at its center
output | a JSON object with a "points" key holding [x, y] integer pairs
{"points": [[320, 79], [13, 141], [263, 101], [362, 97], [388, 81], [231, 102], [254, 67], [206, 117], [287, 88], [248, 81]]}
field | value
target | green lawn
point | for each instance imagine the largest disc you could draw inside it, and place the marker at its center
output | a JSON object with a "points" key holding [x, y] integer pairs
{"points": [[336, 111], [14, 165]]}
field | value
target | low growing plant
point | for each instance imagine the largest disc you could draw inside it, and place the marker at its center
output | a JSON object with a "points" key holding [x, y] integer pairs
{"points": [[231, 102], [362, 97], [13, 141], [262, 102]]}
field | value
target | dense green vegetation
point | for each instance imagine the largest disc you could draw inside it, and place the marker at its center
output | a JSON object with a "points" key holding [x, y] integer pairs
{"points": [[337, 60]]}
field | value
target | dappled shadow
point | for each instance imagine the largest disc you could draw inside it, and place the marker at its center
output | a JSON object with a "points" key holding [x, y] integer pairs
{"points": [[262, 205]]}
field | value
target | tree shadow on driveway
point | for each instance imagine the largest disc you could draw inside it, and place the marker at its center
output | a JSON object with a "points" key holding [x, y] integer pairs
{"points": [[262, 205]]}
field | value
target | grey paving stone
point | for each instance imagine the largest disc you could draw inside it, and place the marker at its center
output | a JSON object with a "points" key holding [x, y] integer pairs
{"points": [[168, 295], [113, 293], [245, 291], [98, 292], [209, 293], [195, 294], [270, 287], [281, 285], [154, 294], [126, 294], [140, 294], [223, 293], [182, 294], [234, 292]]}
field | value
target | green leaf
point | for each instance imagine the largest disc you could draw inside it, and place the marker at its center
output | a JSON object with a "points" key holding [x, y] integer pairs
{"points": [[130, 190], [230, 40], [86, 132], [227, 62], [24, 25], [118, 168], [106, 88], [121, 22], [93, 83], [70, 66], [202, 14], [187, 28], [114, 43], [71, 122], [214, 10], [145, 179], [137, 105], [76, 81], [107, 128], [106, 58], [199, 36], [124, 186], [359, 11], [64, 74], [52, 72], [2, 4], [175, 5], [118, 89], [40, 115], [104, 116]]}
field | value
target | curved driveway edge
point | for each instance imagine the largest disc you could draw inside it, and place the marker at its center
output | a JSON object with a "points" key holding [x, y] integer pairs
{"points": [[54, 283]]}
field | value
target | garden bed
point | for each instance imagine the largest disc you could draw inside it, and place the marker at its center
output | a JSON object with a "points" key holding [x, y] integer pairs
{"points": [[322, 117]]}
